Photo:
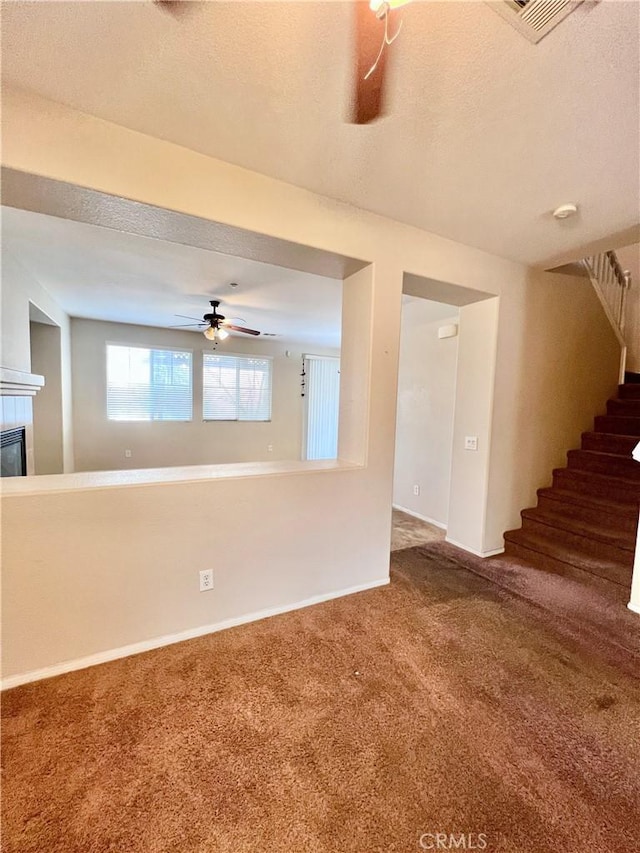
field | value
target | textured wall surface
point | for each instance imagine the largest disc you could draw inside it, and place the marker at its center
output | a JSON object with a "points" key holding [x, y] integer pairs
{"points": [[426, 405], [100, 444], [78, 566], [485, 133]]}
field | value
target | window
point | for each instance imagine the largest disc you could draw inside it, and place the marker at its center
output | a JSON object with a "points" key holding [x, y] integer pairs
{"points": [[148, 384], [236, 388]]}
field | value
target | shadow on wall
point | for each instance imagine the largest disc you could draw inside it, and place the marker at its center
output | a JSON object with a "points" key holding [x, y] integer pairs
{"points": [[565, 358]]}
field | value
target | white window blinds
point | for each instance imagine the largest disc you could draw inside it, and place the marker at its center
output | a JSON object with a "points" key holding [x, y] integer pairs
{"points": [[236, 388], [148, 384], [322, 406]]}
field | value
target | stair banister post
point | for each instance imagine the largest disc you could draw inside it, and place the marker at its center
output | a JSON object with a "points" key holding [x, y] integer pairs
{"points": [[634, 603]]}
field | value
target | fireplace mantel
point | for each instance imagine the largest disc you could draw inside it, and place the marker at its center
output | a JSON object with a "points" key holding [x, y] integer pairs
{"points": [[18, 383]]}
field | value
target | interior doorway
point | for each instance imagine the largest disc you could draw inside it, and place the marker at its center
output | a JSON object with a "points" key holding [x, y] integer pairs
{"points": [[446, 373], [425, 409]]}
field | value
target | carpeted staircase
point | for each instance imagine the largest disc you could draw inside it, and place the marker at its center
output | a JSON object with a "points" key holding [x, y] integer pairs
{"points": [[588, 518]]}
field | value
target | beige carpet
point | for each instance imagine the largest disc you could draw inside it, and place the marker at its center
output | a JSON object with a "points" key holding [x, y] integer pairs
{"points": [[438, 704], [408, 531]]}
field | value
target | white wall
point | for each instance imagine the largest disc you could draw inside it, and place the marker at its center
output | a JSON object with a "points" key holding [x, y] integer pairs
{"points": [[283, 537], [19, 290], [632, 328], [48, 426], [629, 257], [100, 444], [634, 603], [426, 403], [560, 345], [475, 399]]}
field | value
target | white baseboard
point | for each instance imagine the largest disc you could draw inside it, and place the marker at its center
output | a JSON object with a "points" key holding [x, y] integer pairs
{"points": [[635, 608], [421, 517], [473, 550], [170, 639]]}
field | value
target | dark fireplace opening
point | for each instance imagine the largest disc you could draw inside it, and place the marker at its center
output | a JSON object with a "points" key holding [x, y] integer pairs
{"points": [[13, 453]]}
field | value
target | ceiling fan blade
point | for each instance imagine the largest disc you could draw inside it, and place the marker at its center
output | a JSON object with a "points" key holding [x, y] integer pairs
{"points": [[368, 103], [186, 317], [188, 326], [241, 329]]}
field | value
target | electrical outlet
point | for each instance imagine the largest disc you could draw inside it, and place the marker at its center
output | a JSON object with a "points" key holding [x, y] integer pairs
{"points": [[269, 448], [416, 490], [471, 442], [127, 454], [206, 580]]}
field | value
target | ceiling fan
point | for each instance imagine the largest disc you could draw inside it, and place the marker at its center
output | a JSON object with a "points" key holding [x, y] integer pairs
{"points": [[372, 37], [215, 325]]}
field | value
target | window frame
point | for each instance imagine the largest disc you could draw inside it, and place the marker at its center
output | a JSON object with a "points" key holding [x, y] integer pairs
{"points": [[149, 347], [244, 355]]}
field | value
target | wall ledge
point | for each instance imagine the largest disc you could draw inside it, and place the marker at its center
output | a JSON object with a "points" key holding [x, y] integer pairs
{"points": [[83, 481], [18, 383]]}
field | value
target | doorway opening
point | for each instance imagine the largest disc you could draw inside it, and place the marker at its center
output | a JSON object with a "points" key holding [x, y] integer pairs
{"points": [[424, 420], [150, 390], [444, 401]]}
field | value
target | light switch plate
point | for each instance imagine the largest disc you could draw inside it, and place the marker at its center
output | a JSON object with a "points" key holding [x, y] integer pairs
{"points": [[471, 442]]}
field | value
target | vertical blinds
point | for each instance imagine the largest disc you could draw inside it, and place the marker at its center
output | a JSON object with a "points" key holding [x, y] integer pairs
{"points": [[323, 397], [236, 388], [148, 384]]}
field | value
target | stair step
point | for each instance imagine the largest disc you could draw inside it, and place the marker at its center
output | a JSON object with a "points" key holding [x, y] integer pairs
{"points": [[631, 378], [613, 488], [614, 541], [590, 509], [610, 464], [624, 408], [606, 442], [579, 542], [629, 391], [555, 556], [618, 425]]}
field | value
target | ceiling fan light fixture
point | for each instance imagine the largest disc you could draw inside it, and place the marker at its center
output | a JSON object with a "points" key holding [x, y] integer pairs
{"points": [[222, 334], [210, 333]]}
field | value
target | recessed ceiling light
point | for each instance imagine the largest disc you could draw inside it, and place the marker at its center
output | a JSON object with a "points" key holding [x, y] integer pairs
{"points": [[565, 211]]}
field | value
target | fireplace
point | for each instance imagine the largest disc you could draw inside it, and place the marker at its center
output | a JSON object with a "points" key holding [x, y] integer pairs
{"points": [[13, 453]]}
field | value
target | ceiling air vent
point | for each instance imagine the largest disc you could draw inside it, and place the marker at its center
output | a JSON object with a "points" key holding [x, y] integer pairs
{"points": [[534, 18]]}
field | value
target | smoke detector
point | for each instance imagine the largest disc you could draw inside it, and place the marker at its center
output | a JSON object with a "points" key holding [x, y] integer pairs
{"points": [[534, 18]]}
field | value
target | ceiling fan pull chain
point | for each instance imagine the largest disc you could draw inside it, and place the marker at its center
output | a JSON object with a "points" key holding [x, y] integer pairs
{"points": [[385, 41]]}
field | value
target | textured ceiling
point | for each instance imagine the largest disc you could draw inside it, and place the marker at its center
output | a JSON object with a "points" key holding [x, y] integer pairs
{"points": [[104, 274], [486, 133]]}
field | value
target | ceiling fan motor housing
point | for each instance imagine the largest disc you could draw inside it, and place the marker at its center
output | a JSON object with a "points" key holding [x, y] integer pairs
{"points": [[213, 318]]}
